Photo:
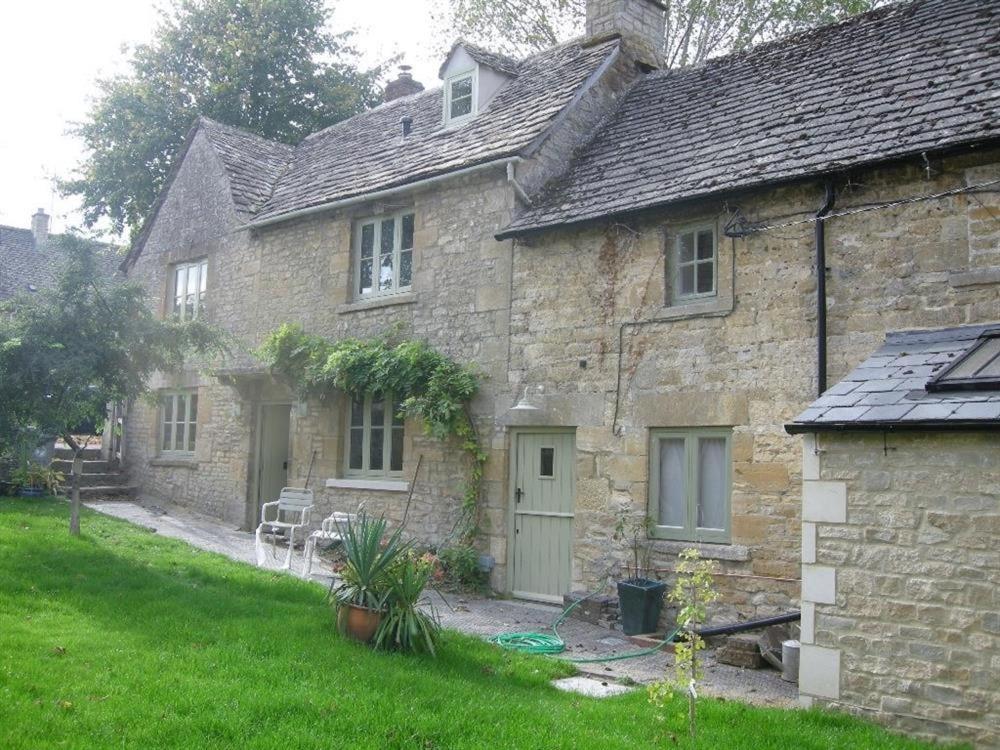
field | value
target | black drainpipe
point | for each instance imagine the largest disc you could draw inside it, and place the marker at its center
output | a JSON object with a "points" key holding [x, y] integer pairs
{"points": [[821, 287]]}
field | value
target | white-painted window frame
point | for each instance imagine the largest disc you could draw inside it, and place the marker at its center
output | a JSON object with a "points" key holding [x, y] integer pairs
{"points": [[677, 296], [473, 74], [397, 252], [189, 421], [389, 423], [690, 532], [178, 296]]}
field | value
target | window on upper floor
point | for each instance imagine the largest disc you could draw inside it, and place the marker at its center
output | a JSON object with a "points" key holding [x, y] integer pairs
{"points": [[692, 264], [178, 422], [976, 370], [689, 484], [384, 252], [375, 437], [188, 287], [460, 97]]}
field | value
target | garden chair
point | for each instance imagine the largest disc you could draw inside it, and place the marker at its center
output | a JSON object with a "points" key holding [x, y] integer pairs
{"points": [[329, 532], [291, 512]]}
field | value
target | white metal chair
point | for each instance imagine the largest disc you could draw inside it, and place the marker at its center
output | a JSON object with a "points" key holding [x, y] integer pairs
{"points": [[292, 510], [330, 532]]}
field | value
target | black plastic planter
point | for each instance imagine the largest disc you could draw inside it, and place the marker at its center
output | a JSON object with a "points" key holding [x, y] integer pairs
{"points": [[639, 602]]}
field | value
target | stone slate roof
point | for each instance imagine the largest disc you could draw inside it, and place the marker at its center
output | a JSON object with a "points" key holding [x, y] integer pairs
{"points": [[367, 152], [26, 268], [253, 164], [908, 78], [500, 63], [888, 390]]}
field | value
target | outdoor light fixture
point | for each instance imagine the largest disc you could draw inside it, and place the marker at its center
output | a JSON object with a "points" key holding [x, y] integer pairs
{"points": [[525, 403]]}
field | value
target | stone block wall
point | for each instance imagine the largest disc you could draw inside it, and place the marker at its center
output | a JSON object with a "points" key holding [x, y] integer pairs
{"points": [[900, 580], [745, 360]]}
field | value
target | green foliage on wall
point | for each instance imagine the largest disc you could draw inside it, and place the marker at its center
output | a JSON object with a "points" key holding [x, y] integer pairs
{"points": [[425, 384]]}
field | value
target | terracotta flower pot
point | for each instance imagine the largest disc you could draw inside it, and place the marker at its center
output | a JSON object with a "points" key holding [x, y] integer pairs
{"points": [[359, 623]]}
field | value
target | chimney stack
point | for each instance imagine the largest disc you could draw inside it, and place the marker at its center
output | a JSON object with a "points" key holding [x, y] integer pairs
{"points": [[40, 227], [404, 85], [641, 24]]}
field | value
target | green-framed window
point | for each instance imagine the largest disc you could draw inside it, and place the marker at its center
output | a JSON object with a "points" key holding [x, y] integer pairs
{"points": [[374, 437], [690, 483], [178, 422], [693, 264], [384, 255], [189, 289]]}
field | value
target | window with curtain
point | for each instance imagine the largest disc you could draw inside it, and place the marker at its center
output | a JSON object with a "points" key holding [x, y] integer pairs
{"points": [[375, 437], [689, 485], [178, 422], [189, 287], [384, 252]]}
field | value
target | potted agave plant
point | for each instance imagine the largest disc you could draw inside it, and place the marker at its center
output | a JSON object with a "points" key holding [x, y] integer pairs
{"points": [[365, 580], [35, 480], [640, 599], [404, 625]]}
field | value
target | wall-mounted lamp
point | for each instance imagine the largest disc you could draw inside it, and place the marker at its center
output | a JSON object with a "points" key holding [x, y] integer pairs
{"points": [[525, 403], [301, 408]]}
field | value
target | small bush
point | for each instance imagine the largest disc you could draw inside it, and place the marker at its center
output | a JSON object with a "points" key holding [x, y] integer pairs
{"points": [[461, 567]]}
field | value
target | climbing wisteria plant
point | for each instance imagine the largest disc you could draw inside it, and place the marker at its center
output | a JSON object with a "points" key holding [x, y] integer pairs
{"points": [[425, 384]]}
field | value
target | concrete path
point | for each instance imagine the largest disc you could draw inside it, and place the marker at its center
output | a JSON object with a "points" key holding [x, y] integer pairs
{"points": [[478, 616]]}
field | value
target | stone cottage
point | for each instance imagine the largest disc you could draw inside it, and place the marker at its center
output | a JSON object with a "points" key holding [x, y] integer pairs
{"points": [[653, 270], [900, 520]]}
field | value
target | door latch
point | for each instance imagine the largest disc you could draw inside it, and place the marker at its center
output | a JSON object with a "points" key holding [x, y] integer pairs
{"points": [[518, 493]]}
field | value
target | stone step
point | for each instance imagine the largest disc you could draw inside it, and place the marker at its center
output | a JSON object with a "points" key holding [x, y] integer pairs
{"points": [[89, 454], [119, 492], [115, 479], [89, 467]]}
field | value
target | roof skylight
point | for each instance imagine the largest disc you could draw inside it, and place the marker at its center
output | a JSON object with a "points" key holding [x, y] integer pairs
{"points": [[977, 369]]}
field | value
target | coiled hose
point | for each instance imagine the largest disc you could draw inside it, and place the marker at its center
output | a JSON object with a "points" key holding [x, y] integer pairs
{"points": [[551, 645]]}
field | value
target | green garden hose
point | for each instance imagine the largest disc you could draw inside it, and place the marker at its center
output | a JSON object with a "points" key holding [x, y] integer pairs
{"points": [[551, 645]]}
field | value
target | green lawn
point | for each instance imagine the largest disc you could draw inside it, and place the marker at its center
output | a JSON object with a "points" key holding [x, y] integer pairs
{"points": [[124, 639]]}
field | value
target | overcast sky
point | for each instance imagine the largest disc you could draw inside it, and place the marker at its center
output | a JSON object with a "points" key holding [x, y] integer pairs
{"points": [[52, 50]]}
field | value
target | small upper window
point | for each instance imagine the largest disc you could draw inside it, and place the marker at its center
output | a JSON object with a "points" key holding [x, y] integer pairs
{"points": [[189, 285], [978, 369], [385, 255], [178, 422], [693, 266], [460, 97]]}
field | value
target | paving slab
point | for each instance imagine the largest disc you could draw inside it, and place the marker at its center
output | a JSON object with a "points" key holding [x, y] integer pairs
{"points": [[480, 616], [590, 687]]}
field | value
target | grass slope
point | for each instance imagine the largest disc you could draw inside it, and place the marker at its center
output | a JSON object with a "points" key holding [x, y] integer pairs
{"points": [[123, 639]]}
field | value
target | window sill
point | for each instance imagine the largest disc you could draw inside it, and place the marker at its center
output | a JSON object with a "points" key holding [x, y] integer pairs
{"points": [[384, 485], [174, 463], [697, 308], [709, 551], [403, 298]]}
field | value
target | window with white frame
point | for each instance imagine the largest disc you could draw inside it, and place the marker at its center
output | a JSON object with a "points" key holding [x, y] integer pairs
{"points": [[384, 249], [460, 97], [190, 282], [178, 422], [693, 266], [375, 437], [690, 484]]}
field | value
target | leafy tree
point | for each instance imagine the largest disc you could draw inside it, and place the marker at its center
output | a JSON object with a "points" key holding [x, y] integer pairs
{"points": [[66, 352], [270, 66], [695, 29]]}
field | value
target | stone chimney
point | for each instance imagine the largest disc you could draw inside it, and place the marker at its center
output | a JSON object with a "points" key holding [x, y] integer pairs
{"points": [[641, 23], [404, 85], [40, 227]]}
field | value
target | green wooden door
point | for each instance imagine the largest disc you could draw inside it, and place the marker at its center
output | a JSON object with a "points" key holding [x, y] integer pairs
{"points": [[273, 452], [543, 515]]}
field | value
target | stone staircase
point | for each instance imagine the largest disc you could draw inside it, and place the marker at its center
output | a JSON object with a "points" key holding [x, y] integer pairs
{"points": [[99, 480]]}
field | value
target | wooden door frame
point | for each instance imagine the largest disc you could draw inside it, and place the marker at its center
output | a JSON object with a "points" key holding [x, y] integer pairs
{"points": [[515, 433], [254, 504]]}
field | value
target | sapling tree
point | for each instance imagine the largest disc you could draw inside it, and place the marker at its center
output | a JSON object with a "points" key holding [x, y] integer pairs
{"points": [[69, 351], [693, 591]]}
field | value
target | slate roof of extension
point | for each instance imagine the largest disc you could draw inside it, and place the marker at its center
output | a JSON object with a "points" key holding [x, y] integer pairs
{"points": [[888, 390], [368, 152], [898, 81], [26, 268]]}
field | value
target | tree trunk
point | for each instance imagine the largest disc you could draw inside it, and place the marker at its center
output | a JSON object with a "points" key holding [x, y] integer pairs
{"points": [[74, 484]]}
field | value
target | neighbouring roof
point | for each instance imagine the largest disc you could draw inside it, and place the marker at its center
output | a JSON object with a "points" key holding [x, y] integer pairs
{"points": [[368, 152], [500, 63], [908, 78], [889, 389], [25, 267]]}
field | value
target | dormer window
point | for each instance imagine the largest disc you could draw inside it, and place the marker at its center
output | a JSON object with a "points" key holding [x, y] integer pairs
{"points": [[460, 97]]}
